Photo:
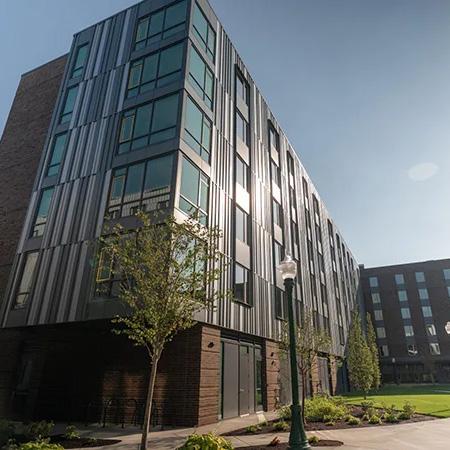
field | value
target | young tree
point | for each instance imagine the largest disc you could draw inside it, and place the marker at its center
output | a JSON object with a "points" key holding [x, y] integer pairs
{"points": [[359, 358], [168, 271], [372, 343], [310, 341]]}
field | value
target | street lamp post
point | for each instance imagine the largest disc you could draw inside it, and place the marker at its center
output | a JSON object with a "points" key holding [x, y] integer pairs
{"points": [[297, 436]]}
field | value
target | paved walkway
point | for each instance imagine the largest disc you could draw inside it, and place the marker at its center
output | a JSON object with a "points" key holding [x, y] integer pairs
{"points": [[434, 434]]}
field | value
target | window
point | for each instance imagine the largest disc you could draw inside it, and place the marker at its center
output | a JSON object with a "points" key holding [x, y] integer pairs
{"points": [[402, 296], [242, 129], [201, 77], [108, 278], [144, 186], [446, 274], [276, 174], [194, 192], [242, 226], [242, 89], [204, 33], [241, 284], [42, 212], [399, 279], [69, 104], [373, 281], [412, 350], [376, 299], [406, 313], [381, 332], [378, 314], [278, 253], [148, 124], [426, 311], [435, 349], [420, 277], [80, 61], [57, 152], [277, 213], [160, 25], [197, 130], [384, 350], [431, 329], [241, 173], [155, 70], [280, 304], [423, 294], [24, 289], [273, 139], [409, 330]]}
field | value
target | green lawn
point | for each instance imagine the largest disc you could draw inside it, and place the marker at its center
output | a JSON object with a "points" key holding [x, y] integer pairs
{"points": [[428, 399]]}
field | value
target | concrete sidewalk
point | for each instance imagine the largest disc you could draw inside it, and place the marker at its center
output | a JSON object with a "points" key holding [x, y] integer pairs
{"points": [[433, 434]]}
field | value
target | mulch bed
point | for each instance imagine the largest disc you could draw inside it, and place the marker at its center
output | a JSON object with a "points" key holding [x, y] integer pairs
{"points": [[82, 442], [320, 426], [285, 446]]}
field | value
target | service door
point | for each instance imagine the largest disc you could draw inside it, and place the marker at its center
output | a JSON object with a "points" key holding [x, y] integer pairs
{"points": [[230, 379]]}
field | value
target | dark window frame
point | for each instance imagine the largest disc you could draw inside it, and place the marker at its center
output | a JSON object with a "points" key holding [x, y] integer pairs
{"points": [[29, 289], [51, 165], [78, 70], [38, 228], [247, 289], [208, 98], [205, 44], [66, 116]]}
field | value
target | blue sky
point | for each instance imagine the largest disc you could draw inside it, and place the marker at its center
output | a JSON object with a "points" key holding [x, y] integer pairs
{"points": [[360, 87]]}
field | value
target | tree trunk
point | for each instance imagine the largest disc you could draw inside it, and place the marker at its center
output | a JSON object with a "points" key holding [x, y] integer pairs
{"points": [[148, 403]]}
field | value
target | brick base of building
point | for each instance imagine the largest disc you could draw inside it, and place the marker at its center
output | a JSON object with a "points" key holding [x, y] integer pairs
{"points": [[83, 372]]}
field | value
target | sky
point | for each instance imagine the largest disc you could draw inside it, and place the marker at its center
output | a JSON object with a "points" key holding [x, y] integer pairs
{"points": [[361, 88]]}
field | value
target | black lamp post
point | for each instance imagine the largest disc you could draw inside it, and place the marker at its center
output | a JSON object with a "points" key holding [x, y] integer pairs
{"points": [[297, 436]]}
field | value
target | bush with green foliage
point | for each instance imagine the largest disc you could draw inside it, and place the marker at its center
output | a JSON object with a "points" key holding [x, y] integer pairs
{"points": [[281, 425], [39, 430], [284, 413], [354, 421], [375, 420], [365, 417], [407, 412], [38, 444], [253, 428], [347, 417], [208, 441], [313, 440], [71, 433], [322, 408], [390, 414], [366, 405]]}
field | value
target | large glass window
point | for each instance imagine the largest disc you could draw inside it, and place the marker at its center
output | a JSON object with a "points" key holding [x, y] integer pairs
{"points": [[276, 174], [435, 349], [108, 277], [399, 279], [423, 294], [42, 212], [426, 311], [204, 32], [242, 225], [24, 289], [149, 124], [446, 273], [198, 130], [242, 284], [378, 314], [242, 129], [144, 186], [241, 173], [431, 330], [194, 192], [381, 332], [280, 304], [420, 277], [376, 299], [242, 89], [412, 350], [278, 253], [384, 350], [406, 313], [69, 104], [54, 165], [80, 61], [409, 330], [155, 70], [201, 77], [373, 281], [277, 213], [273, 139], [160, 25], [402, 296]]}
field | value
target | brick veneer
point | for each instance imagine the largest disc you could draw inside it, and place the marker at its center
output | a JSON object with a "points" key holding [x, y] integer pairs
{"points": [[272, 373], [21, 147]]}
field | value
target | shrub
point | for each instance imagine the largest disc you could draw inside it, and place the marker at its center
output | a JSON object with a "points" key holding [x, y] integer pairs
{"points": [[408, 411], [284, 413], [206, 441], [321, 409], [354, 421], [281, 425], [390, 414], [347, 417], [313, 440], [375, 420], [365, 418], [40, 444], [38, 430], [253, 428], [71, 433], [6, 431], [366, 405]]}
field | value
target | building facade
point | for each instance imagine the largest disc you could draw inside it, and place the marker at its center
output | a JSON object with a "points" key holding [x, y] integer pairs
{"points": [[157, 111], [410, 307]]}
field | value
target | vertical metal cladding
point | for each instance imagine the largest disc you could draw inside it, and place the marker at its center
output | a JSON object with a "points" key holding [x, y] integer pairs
{"points": [[63, 287]]}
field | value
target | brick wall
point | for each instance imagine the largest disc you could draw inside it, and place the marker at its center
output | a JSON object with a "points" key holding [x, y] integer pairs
{"points": [[20, 150]]}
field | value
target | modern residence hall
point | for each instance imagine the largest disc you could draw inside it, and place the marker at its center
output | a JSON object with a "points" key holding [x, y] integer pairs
{"points": [[156, 111], [410, 307]]}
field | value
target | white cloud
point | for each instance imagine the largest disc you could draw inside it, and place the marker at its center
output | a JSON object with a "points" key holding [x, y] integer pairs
{"points": [[422, 171]]}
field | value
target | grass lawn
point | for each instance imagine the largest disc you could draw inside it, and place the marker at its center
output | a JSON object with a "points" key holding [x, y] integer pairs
{"points": [[428, 399]]}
